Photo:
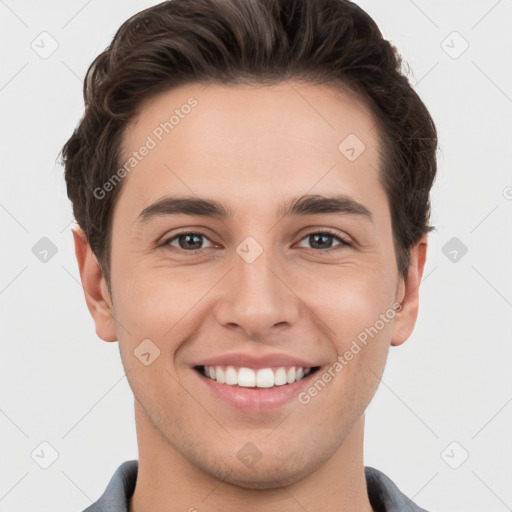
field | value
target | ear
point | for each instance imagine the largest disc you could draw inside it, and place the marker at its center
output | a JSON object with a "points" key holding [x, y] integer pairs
{"points": [[95, 288], [409, 294]]}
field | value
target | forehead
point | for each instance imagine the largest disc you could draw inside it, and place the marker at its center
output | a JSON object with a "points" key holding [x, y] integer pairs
{"points": [[297, 111], [250, 140]]}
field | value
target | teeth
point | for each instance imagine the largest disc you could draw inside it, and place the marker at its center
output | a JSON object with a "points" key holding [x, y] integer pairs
{"points": [[246, 377], [231, 376], [249, 378], [280, 377], [219, 375]]}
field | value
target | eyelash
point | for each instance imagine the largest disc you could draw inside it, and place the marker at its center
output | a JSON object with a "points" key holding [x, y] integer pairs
{"points": [[326, 231]]}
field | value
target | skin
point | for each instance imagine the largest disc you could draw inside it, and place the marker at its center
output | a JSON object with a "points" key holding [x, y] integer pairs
{"points": [[294, 298]]}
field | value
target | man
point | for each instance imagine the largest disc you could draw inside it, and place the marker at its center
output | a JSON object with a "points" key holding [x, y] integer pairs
{"points": [[251, 183]]}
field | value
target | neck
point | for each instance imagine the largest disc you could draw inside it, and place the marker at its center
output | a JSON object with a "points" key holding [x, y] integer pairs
{"points": [[166, 481]]}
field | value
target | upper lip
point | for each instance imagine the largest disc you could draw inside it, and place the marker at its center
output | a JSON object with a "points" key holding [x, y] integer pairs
{"points": [[256, 362]]}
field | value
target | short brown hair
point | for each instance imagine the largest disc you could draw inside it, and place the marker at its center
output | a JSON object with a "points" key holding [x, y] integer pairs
{"points": [[178, 42]]}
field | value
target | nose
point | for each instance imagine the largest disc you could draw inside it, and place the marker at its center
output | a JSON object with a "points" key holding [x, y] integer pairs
{"points": [[257, 298]]}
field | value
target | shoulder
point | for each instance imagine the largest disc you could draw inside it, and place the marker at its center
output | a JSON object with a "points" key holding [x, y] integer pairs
{"points": [[385, 496], [119, 490]]}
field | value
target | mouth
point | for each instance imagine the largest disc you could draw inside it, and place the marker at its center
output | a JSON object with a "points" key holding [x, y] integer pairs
{"points": [[261, 378]]}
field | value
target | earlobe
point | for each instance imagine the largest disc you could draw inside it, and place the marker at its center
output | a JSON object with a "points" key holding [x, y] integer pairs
{"points": [[408, 294], [95, 289]]}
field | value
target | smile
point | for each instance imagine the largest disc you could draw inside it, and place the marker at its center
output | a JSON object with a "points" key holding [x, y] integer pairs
{"points": [[255, 378]]}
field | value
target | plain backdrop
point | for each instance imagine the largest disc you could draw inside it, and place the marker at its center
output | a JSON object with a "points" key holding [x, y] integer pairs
{"points": [[439, 425]]}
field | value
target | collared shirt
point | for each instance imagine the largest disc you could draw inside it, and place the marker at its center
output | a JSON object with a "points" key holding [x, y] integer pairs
{"points": [[384, 495]]}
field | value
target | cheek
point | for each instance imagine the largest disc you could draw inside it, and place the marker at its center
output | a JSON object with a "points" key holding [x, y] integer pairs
{"points": [[356, 313], [351, 299], [158, 303]]}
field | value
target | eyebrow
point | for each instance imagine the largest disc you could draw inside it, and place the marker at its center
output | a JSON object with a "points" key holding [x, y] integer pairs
{"points": [[303, 205]]}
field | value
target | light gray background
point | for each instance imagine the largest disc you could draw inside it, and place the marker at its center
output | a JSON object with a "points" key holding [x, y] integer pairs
{"points": [[446, 393]]}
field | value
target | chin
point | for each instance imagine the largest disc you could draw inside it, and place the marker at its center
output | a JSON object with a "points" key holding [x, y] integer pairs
{"points": [[260, 480], [272, 474]]}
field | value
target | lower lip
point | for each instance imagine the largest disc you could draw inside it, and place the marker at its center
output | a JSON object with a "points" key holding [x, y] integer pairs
{"points": [[256, 399]]}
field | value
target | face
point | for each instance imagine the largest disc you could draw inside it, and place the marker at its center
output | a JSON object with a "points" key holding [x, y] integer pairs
{"points": [[289, 266]]}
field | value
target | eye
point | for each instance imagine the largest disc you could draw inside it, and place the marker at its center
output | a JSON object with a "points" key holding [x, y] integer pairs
{"points": [[187, 241], [192, 242], [323, 240]]}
